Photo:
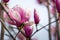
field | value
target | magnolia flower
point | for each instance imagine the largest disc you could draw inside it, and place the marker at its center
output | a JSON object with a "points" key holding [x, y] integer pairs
{"points": [[58, 5], [36, 17], [28, 31], [52, 8], [18, 16], [14, 15], [5, 1], [25, 16]]}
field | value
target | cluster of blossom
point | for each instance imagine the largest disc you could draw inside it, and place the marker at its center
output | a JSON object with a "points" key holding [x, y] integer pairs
{"points": [[19, 16]]}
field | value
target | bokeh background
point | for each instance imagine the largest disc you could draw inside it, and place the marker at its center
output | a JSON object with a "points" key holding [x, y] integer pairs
{"points": [[43, 15]]}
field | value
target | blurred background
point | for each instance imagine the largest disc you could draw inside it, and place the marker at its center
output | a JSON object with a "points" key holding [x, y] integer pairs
{"points": [[43, 15]]}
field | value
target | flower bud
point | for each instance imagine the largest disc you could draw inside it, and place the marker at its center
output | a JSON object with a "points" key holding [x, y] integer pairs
{"points": [[36, 17]]}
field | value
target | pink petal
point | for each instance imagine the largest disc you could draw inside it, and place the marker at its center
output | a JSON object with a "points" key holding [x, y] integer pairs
{"points": [[6, 18], [36, 17], [28, 30], [21, 12], [15, 15], [58, 5]]}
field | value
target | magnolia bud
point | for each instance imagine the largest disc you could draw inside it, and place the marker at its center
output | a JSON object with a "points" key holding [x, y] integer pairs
{"points": [[36, 17]]}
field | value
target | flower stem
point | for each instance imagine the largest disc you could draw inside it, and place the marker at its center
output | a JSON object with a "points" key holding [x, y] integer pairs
{"points": [[58, 29], [43, 27], [2, 29], [49, 21], [2, 32], [6, 29], [57, 25], [28, 38], [36, 27]]}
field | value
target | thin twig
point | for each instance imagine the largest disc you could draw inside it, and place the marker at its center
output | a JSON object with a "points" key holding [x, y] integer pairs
{"points": [[22, 33], [36, 26], [43, 27], [2, 32], [17, 34], [49, 21], [7, 29], [5, 9], [2, 29], [57, 25], [7, 35]]}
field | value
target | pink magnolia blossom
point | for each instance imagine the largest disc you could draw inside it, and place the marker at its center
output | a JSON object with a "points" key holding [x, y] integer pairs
{"points": [[52, 8], [5, 1], [24, 15], [18, 16], [28, 31], [14, 16], [58, 5], [36, 17]]}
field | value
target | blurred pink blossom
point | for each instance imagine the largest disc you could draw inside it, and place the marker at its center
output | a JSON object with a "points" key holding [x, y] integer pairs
{"points": [[52, 8], [5, 1], [36, 17], [18, 16], [28, 31], [24, 15], [53, 1], [58, 5]]}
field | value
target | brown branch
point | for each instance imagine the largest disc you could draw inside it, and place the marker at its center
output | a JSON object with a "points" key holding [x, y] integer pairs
{"points": [[2, 32], [49, 21], [5, 9], [7, 29], [57, 24], [2, 29], [43, 27], [17, 34]]}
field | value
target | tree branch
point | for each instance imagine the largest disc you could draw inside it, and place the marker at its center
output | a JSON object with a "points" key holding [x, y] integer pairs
{"points": [[6, 29], [49, 20], [43, 27]]}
